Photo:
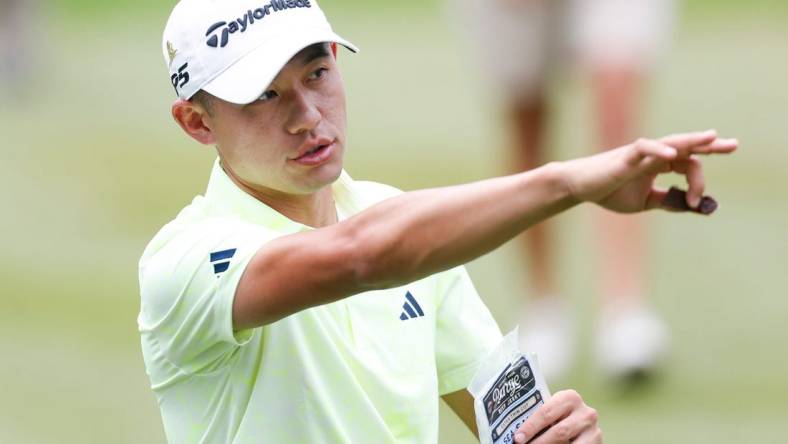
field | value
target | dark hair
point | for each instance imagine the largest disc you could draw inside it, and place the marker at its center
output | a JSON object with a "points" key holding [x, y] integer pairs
{"points": [[204, 99]]}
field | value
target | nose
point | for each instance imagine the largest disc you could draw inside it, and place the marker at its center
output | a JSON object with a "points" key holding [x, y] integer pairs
{"points": [[303, 114]]}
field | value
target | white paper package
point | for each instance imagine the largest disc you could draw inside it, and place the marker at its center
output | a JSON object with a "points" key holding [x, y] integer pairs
{"points": [[507, 389]]}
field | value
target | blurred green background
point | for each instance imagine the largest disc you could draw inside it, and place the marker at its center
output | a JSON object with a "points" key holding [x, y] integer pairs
{"points": [[92, 165]]}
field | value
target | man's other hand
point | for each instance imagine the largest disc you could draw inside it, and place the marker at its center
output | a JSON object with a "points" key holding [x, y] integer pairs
{"points": [[562, 419]]}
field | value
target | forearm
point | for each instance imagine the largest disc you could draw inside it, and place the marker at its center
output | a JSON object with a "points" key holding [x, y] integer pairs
{"points": [[424, 232]]}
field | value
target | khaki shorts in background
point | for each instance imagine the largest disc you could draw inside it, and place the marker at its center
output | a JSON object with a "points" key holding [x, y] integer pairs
{"points": [[518, 42]]}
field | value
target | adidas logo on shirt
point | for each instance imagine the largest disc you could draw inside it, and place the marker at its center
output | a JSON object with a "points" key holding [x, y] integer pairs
{"points": [[411, 309], [221, 260]]}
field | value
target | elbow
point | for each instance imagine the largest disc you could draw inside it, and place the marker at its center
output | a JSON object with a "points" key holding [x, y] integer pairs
{"points": [[370, 259]]}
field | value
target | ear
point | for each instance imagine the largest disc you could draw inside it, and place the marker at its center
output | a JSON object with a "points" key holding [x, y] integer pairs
{"points": [[193, 118]]}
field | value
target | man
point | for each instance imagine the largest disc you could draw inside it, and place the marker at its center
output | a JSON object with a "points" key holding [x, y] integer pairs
{"points": [[293, 304], [522, 45]]}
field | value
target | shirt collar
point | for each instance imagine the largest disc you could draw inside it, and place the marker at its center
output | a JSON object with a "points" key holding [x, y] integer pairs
{"points": [[226, 198]]}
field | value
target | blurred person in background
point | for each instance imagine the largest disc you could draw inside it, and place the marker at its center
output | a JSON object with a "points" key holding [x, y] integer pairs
{"points": [[520, 43], [15, 45]]}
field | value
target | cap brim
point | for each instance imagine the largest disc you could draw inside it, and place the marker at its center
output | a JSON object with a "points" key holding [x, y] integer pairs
{"points": [[245, 80]]}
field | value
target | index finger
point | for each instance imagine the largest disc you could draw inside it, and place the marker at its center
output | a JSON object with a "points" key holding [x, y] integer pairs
{"points": [[718, 146], [686, 141]]}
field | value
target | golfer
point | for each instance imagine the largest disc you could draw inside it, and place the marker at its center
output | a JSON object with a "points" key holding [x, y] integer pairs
{"points": [[293, 304]]}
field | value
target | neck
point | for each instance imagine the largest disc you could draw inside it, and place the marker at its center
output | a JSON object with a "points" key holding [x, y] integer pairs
{"points": [[315, 210]]}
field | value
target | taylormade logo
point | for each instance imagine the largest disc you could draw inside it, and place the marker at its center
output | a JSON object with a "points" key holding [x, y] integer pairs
{"points": [[219, 33]]}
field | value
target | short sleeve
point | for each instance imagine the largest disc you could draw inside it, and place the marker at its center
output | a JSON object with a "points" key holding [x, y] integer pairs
{"points": [[188, 287], [466, 331]]}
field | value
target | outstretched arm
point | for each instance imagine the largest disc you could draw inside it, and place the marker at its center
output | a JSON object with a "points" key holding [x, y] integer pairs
{"points": [[423, 232]]}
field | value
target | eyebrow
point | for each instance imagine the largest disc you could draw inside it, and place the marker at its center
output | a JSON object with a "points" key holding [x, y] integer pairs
{"points": [[313, 52]]}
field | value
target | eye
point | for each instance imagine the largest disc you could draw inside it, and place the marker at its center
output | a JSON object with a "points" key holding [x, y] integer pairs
{"points": [[268, 95], [318, 73]]}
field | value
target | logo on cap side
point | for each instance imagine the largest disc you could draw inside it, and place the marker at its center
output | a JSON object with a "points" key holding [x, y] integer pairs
{"points": [[248, 19], [171, 51], [181, 78]]}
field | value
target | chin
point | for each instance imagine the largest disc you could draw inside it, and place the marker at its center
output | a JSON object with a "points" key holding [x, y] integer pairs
{"points": [[321, 177]]}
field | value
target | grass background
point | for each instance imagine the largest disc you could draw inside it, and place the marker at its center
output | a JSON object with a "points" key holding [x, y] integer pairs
{"points": [[91, 166]]}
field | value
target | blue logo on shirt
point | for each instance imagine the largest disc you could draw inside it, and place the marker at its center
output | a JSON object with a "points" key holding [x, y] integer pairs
{"points": [[411, 309], [221, 260]]}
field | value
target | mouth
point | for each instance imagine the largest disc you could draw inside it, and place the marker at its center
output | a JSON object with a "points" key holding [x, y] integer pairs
{"points": [[316, 155], [314, 150]]}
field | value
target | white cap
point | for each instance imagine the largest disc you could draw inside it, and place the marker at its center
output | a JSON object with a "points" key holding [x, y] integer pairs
{"points": [[233, 49]]}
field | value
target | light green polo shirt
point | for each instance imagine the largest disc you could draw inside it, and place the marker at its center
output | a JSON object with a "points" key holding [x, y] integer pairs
{"points": [[366, 369]]}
